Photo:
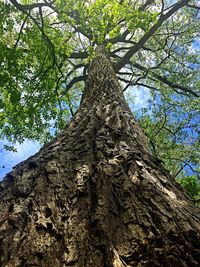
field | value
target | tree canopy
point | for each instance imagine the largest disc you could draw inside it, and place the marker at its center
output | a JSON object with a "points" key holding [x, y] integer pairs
{"points": [[45, 50]]}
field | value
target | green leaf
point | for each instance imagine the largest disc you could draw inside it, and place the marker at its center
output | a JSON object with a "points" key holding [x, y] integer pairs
{"points": [[15, 97]]}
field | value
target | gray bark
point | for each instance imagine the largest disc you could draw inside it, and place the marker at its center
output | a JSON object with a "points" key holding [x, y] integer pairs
{"points": [[95, 196]]}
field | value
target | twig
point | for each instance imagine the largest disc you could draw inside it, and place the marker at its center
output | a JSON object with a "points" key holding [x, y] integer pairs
{"points": [[21, 29]]}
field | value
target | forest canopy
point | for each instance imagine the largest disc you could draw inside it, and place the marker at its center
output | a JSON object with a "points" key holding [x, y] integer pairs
{"points": [[45, 50]]}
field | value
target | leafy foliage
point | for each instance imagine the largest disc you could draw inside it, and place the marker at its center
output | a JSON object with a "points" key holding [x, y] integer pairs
{"points": [[192, 187], [172, 130], [45, 49]]}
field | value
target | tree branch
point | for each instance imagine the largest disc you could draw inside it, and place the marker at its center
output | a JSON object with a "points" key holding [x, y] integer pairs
{"points": [[119, 38], [21, 29], [177, 173], [193, 6], [26, 9], [149, 34], [186, 163], [166, 81], [147, 86], [78, 55], [30, 6], [146, 4], [161, 127], [57, 94], [74, 81], [75, 67]]}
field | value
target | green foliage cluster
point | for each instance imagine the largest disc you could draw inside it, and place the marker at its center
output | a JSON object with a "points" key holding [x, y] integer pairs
{"points": [[28, 80], [105, 18], [34, 49], [192, 187]]}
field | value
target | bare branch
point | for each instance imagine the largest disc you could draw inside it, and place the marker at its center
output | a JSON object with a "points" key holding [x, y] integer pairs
{"points": [[125, 73], [78, 55], [186, 163], [75, 68], [124, 80], [177, 173], [74, 81], [147, 86], [162, 126], [166, 81], [193, 6], [21, 29], [70, 105]]}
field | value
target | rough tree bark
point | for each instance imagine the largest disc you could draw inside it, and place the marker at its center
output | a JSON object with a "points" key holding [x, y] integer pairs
{"points": [[95, 196]]}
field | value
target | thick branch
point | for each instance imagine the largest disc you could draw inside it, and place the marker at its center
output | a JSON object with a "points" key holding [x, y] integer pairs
{"points": [[149, 34], [74, 81], [78, 55], [75, 67], [31, 6], [119, 38]]}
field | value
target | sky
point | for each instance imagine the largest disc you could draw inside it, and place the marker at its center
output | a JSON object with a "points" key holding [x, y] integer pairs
{"points": [[9, 159], [137, 98]]}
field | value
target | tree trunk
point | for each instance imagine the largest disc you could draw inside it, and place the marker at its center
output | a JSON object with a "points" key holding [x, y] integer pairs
{"points": [[95, 196]]}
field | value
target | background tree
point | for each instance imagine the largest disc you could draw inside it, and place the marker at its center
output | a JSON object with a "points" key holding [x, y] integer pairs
{"points": [[46, 50]]}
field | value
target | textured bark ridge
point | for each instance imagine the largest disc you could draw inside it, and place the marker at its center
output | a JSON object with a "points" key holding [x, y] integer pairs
{"points": [[95, 197]]}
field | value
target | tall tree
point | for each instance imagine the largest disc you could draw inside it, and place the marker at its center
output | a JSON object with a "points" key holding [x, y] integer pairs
{"points": [[45, 50], [95, 195]]}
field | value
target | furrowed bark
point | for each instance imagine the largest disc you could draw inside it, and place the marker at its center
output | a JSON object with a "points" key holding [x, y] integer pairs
{"points": [[95, 196]]}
